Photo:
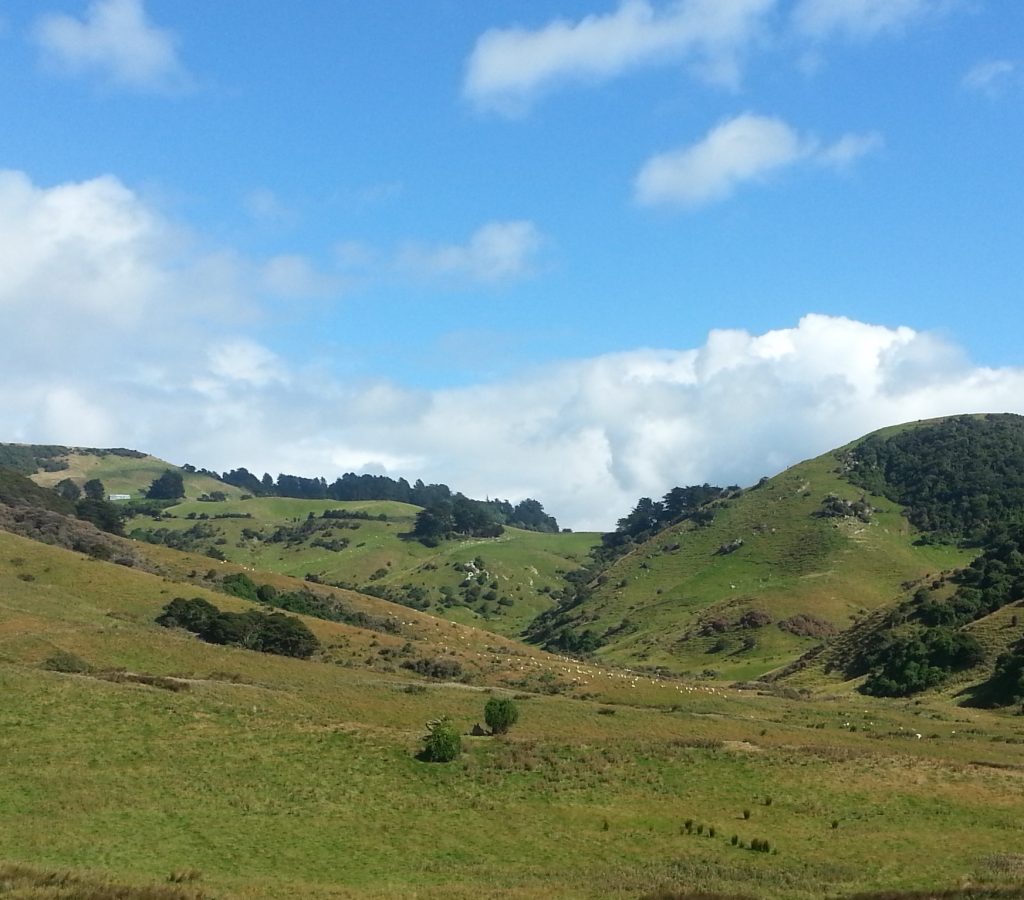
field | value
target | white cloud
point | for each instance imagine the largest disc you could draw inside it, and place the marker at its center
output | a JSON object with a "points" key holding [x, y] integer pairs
{"points": [[742, 149], [292, 275], [992, 76], [88, 248], [90, 268], [508, 67], [266, 208], [115, 39], [849, 148], [860, 18], [495, 252], [117, 349]]}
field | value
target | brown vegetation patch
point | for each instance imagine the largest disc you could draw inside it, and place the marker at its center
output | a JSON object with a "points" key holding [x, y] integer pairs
{"points": [[24, 882]]}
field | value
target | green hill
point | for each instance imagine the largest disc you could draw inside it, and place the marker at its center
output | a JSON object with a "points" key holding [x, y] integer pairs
{"points": [[142, 762], [361, 547], [122, 471], [764, 575]]}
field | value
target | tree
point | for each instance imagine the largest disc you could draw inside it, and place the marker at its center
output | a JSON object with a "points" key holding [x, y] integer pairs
{"points": [[104, 515], [68, 489], [94, 490], [168, 486], [442, 743], [500, 715]]}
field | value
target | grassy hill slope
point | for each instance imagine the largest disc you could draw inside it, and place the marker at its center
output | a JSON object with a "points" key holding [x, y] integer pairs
{"points": [[365, 549], [245, 775], [678, 601], [121, 471], [522, 568]]}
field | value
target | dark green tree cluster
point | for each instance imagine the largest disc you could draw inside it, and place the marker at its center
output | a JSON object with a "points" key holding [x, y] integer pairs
{"points": [[266, 632], [956, 479], [527, 514], [461, 517], [1006, 686], [903, 664], [649, 516], [191, 539], [306, 603], [168, 486], [922, 642]]}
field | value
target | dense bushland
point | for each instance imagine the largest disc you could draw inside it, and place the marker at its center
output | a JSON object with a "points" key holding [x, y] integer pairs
{"points": [[956, 479], [267, 632]]}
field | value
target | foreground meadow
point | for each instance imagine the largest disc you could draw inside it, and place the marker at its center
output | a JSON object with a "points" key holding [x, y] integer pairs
{"points": [[241, 775]]}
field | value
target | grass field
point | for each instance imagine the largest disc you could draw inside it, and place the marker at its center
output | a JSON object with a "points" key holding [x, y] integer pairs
{"points": [[271, 777]]}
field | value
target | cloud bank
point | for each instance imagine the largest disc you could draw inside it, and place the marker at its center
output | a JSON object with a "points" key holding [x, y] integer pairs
{"points": [[121, 331]]}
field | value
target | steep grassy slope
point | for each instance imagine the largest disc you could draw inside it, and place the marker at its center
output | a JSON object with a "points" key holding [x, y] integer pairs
{"points": [[262, 776], [677, 600]]}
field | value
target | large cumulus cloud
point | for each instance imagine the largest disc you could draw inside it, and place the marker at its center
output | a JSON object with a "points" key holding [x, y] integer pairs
{"points": [[120, 331]]}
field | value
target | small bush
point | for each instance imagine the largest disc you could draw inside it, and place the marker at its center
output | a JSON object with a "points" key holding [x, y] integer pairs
{"points": [[734, 840], [442, 743], [746, 814], [500, 715], [63, 661]]}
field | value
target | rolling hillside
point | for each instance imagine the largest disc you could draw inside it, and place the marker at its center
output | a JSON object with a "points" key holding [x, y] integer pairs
{"points": [[361, 548], [142, 762]]}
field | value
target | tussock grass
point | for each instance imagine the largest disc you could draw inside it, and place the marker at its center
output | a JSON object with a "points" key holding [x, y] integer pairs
{"points": [[19, 882]]}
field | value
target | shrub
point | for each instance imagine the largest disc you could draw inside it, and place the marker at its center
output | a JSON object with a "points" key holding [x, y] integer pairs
{"points": [[63, 661], [500, 715], [746, 814], [438, 667], [442, 742]]}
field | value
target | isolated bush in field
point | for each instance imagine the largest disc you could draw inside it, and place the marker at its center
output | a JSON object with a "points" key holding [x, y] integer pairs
{"points": [[746, 814], [734, 840], [500, 715], [63, 661], [442, 743], [240, 585]]}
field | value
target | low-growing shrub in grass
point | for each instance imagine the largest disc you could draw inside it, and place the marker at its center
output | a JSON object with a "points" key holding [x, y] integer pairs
{"points": [[442, 743], [63, 661]]}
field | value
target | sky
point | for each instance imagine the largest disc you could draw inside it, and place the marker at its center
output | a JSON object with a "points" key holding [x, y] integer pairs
{"points": [[579, 250]]}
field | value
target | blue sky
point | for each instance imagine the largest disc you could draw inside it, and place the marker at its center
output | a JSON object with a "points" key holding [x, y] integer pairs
{"points": [[582, 250]]}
